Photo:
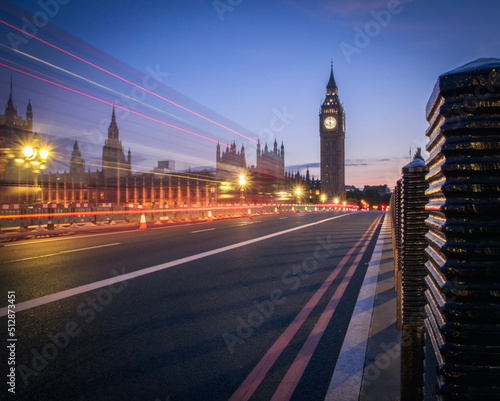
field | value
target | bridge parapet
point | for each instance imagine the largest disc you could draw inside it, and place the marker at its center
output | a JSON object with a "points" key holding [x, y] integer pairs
{"points": [[462, 283]]}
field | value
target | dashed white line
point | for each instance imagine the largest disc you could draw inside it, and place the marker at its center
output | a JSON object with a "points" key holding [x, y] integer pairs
{"points": [[73, 237], [90, 247], [59, 253], [201, 231], [173, 226]]}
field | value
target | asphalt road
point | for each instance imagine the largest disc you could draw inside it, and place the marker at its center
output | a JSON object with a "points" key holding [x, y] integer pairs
{"points": [[223, 310]]}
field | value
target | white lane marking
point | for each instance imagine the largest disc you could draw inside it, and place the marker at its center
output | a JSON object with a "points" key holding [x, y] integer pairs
{"points": [[90, 247], [283, 218], [176, 226], [201, 231], [73, 237], [348, 374], [76, 236], [33, 303], [58, 253]]}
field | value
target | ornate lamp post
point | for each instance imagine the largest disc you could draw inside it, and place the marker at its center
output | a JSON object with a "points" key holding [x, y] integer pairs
{"points": [[298, 191], [34, 157], [242, 183]]}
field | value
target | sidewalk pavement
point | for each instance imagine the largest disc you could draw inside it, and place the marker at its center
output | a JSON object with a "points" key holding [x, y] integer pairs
{"points": [[369, 364]]}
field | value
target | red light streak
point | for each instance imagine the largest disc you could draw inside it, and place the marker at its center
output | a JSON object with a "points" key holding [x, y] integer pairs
{"points": [[109, 103], [125, 80], [112, 212], [337, 205]]}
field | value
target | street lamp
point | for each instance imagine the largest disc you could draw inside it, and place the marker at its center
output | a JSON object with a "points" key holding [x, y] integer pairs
{"points": [[323, 198], [298, 191], [34, 157], [242, 183]]}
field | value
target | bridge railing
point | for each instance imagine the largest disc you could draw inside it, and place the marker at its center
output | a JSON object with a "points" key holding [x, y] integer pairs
{"points": [[461, 275]]}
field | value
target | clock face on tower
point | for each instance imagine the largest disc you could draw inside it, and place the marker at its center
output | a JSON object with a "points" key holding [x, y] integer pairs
{"points": [[330, 122]]}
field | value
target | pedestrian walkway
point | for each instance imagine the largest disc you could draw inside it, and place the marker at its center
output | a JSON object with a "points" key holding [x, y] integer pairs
{"points": [[368, 367]]}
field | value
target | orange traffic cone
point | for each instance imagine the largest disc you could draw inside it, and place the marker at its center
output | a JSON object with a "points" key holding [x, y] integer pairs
{"points": [[142, 225], [293, 209], [210, 215], [249, 213], [275, 210]]}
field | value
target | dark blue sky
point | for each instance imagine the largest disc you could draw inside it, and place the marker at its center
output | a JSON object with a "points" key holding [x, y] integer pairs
{"points": [[260, 68]]}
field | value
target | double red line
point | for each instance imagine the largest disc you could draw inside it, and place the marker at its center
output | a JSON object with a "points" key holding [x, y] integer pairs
{"points": [[297, 368]]}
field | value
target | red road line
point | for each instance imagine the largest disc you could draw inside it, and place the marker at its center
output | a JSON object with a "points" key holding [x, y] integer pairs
{"points": [[287, 386], [253, 380]]}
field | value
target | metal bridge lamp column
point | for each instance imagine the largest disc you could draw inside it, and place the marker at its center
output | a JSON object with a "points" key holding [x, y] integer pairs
{"points": [[298, 191], [35, 158], [242, 183]]}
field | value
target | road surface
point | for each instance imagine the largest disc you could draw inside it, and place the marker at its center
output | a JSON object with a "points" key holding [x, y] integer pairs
{"points": [[225, 310]]}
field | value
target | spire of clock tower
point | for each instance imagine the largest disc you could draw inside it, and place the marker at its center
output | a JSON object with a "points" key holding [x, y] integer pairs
{"points": [[332, 93], [331, 87]]}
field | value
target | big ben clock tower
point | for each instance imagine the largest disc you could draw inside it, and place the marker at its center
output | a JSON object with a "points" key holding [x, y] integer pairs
{"points": [[332, 134]]}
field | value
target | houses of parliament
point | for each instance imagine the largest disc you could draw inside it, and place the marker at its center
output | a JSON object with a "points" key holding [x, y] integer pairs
{"points": [[25, 182]]}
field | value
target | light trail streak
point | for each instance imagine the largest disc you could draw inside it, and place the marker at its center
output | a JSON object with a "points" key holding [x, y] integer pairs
{"points": [[114, 212], [109, 103], [41, 61], [127, 81]]}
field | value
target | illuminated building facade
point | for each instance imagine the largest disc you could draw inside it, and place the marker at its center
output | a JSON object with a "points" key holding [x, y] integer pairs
{"points": [[230, 163], [332, 135], [115, 183], [266, 177], [269, 173]]}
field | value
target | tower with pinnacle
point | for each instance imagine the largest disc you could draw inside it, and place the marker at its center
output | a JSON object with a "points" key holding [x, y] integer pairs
{"points": [[332, 138], [77, 163], [114, 163], [15, 132]]}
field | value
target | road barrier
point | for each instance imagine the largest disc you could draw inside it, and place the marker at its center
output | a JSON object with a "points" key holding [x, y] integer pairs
{"points": [[463, 296], [51, 215], [395, 208], [413, 273], [462, 237]]}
